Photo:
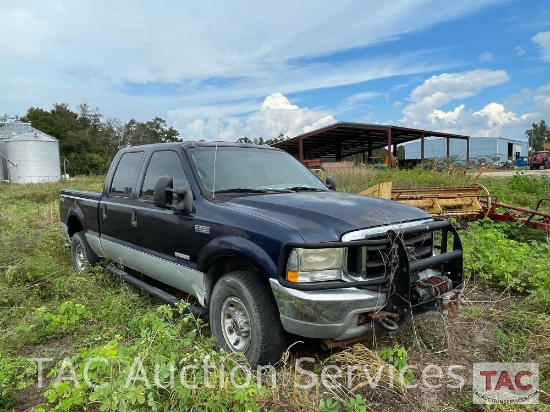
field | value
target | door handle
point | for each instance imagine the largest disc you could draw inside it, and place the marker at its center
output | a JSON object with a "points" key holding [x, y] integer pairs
{"points": [[104, 211], [134, 218]]}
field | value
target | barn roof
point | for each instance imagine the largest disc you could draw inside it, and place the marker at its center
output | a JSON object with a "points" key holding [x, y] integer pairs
{"points": [[346, 139]]}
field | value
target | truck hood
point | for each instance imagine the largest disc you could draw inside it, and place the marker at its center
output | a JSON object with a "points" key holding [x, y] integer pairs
{"points": [[325, 216]]}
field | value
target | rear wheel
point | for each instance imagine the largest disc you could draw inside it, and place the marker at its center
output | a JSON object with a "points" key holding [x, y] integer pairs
{"points": [[82, 255], [547, 164], [244, 318]]}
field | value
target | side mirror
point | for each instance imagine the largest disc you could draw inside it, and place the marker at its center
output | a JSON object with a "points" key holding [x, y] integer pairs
{"points": [[164, 195], [163, 191], [331, 183]]}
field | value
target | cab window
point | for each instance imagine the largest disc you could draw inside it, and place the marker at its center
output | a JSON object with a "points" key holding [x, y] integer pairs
{"points": [[162, 163]]}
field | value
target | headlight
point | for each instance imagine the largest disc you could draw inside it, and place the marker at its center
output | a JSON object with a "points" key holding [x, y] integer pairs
{"points": [[315, 265]]}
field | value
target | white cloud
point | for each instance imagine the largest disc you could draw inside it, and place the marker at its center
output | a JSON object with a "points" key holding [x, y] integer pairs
{"points": [[494, 119], [543, 40], [277, 102], [447, 117], [440, 90], [275, 115], [520, 50], [485, 57], [542, 100], [114, 56], [357, 100], [360, 98], [495, 113]]}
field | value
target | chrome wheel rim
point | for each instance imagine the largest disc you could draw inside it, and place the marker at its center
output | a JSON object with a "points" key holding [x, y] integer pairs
{"points": [[235, 324], [80, 258]]}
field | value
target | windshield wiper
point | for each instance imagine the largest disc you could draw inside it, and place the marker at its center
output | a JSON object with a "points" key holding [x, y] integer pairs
{"points": [[242, 190], [304, 189]]}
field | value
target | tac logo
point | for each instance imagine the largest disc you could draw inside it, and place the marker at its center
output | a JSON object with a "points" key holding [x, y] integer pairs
{"points": [[506, 383]]}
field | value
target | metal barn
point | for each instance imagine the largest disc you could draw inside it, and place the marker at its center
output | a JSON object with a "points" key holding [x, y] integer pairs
{"points": [[488, 147]]}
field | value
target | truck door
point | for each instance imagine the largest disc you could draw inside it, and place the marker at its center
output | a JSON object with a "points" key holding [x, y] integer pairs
{"points": [[165, 233], [115, 211]]}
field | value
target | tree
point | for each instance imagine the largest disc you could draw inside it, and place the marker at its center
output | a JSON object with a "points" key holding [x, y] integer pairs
{"points": [[88, 142], [538, 136], [260, 140], [153, 131]]}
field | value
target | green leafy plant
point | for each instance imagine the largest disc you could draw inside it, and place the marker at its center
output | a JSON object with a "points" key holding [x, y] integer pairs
{"points": [[397, 355], [491, 254], [329, 405], [358, 403]]}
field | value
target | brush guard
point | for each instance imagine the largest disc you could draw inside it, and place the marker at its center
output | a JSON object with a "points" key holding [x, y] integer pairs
{"points": [[412, 285]]}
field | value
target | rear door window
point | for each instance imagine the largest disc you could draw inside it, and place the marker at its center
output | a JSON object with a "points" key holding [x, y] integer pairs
{"points": [[125, 174]]}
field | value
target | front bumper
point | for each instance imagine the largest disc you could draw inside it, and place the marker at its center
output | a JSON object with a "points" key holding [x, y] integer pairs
{"points": [[341, 310], [330, 314]]}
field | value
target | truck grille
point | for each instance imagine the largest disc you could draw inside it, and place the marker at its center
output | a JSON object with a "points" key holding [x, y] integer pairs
{"points": [[379, 259]]}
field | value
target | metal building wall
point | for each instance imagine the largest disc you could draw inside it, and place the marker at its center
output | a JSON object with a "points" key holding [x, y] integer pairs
{"points": [[479, 147]]}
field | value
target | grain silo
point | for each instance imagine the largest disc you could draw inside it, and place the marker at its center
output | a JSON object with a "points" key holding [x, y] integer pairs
{"points": [[8, 131], [33, 157]]}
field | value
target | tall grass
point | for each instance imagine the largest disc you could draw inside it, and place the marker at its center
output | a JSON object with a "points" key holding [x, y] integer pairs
{"points": [[46, 309], [358, 178], [520, 189]]}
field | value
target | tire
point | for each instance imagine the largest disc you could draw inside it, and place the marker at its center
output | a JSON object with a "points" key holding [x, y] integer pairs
{"points": [[82, 255], [243, 300], [547, 165]]}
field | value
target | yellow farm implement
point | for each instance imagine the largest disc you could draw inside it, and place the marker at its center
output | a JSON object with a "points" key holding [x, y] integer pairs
{"points": [[468, 203]]}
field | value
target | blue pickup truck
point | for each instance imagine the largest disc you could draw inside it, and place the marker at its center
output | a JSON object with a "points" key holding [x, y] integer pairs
{"points": [[256, 241]]}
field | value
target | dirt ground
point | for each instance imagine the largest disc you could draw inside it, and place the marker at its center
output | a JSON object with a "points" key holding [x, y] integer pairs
{"points": [[508, 173], [433, 339]]}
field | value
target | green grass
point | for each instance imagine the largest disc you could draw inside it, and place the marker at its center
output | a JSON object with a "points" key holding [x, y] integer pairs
{"points": [[47, 310]]}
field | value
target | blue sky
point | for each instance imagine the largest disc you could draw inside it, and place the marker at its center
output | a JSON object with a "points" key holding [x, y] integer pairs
{"points": [[470, 67]]}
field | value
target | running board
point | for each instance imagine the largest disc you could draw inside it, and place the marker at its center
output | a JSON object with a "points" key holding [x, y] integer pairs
{"points": [[156, 292]]}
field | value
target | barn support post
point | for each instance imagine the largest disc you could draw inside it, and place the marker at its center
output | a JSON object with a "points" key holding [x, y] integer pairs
{"points": [[448, 146], [467, 150], [388, 151], [301, 150], [422, 148], [369, 152]]}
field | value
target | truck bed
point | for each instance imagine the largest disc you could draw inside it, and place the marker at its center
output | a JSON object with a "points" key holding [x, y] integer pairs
{"points": [[85, 203], [81, 194]]}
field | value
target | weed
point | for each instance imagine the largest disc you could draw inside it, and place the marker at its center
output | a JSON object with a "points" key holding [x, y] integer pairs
{"points": [[97, 315], [490, 254], [477, 355], [474, 313]]}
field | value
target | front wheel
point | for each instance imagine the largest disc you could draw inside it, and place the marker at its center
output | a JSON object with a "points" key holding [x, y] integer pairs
{"points": [[82, 255], [244, 318]]}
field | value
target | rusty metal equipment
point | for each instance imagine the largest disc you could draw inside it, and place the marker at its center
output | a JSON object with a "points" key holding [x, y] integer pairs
{"points": [[534, 218], [468, 203], [438, 201]]}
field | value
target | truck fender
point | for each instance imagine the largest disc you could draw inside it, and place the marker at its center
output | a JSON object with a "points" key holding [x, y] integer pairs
{"points": [[233, 247], [75, 213], [238, 247]]}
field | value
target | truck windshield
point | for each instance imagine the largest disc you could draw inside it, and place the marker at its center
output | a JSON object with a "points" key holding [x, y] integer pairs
{"points": [[241, 169]]}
